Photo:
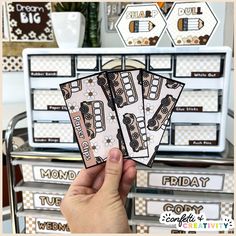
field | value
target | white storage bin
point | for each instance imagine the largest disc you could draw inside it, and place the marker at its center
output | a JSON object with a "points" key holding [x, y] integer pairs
{"points": [[208, 72]]}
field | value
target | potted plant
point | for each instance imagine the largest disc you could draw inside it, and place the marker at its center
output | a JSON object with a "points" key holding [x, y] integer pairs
{"points": [[68, 23]]}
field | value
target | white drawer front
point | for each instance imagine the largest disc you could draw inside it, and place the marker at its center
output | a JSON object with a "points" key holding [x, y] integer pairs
{"points": [[198, 101], [51, 66], [53, 133], [195, 135], [51, 100], [199, 66]]}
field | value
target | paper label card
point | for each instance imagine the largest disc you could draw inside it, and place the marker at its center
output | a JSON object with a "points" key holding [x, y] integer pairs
{"points": [[30, 21], [160, 96], [192, 181], [128, 99], [93, 117], [191, 23], [141, 25]]}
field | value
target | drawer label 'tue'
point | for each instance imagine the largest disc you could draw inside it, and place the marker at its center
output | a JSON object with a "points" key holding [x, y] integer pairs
{"points": [[55, 174], [186, 181], [47, 200]]}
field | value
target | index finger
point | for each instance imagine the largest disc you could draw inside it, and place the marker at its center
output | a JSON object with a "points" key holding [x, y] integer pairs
{"points": [[86, 177]]}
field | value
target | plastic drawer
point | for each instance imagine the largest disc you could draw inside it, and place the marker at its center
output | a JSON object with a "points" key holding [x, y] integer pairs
{"points": [[51, 66], [210, 179]]}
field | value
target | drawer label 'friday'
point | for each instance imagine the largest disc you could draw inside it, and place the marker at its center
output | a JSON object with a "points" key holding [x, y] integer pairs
{"points": [[187, 181], [55, 174]]}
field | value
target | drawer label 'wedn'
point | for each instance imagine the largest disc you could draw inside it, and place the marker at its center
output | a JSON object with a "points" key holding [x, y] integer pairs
{"points": [[51, 226]]}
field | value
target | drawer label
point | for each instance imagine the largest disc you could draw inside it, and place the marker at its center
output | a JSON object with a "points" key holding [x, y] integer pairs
{"points": [[54, 174], [205, 74], [43, 73], [47, 200], [51, 226], [56, 108], [47, 140], [203, 142], [188, 109], [186, 181], [211, 210]]}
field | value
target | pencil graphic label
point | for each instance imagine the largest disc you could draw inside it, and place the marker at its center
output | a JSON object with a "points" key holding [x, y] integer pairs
{"points": [[141, 25], [191, 23], [188, 24], [137, 26]]}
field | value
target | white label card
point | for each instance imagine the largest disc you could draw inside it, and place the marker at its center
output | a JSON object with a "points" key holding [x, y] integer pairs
{"points": [[186, 181], [211, 210], [51, 226], [52, 201], [55, 174]]}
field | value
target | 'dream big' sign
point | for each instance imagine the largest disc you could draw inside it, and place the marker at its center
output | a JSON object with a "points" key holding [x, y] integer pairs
{"points": [[30, 21]]}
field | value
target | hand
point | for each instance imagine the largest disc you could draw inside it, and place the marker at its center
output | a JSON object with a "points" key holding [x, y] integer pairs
{"points": [[95, 200]]}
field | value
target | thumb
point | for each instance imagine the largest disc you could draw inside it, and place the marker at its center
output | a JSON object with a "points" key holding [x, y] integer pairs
{"points": [[113, 170]]}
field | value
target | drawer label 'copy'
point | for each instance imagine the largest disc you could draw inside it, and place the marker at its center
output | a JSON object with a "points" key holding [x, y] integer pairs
{"points": [[211, 210]]}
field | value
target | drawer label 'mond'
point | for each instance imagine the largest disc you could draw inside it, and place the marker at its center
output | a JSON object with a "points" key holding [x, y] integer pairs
{"points": [[55, 174]]}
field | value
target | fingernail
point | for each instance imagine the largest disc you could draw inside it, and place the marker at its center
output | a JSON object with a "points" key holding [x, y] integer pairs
{"points": [[114, 155]]}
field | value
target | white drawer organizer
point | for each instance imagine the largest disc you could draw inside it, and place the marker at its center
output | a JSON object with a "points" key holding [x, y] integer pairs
{"points": [[198, 123]]}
